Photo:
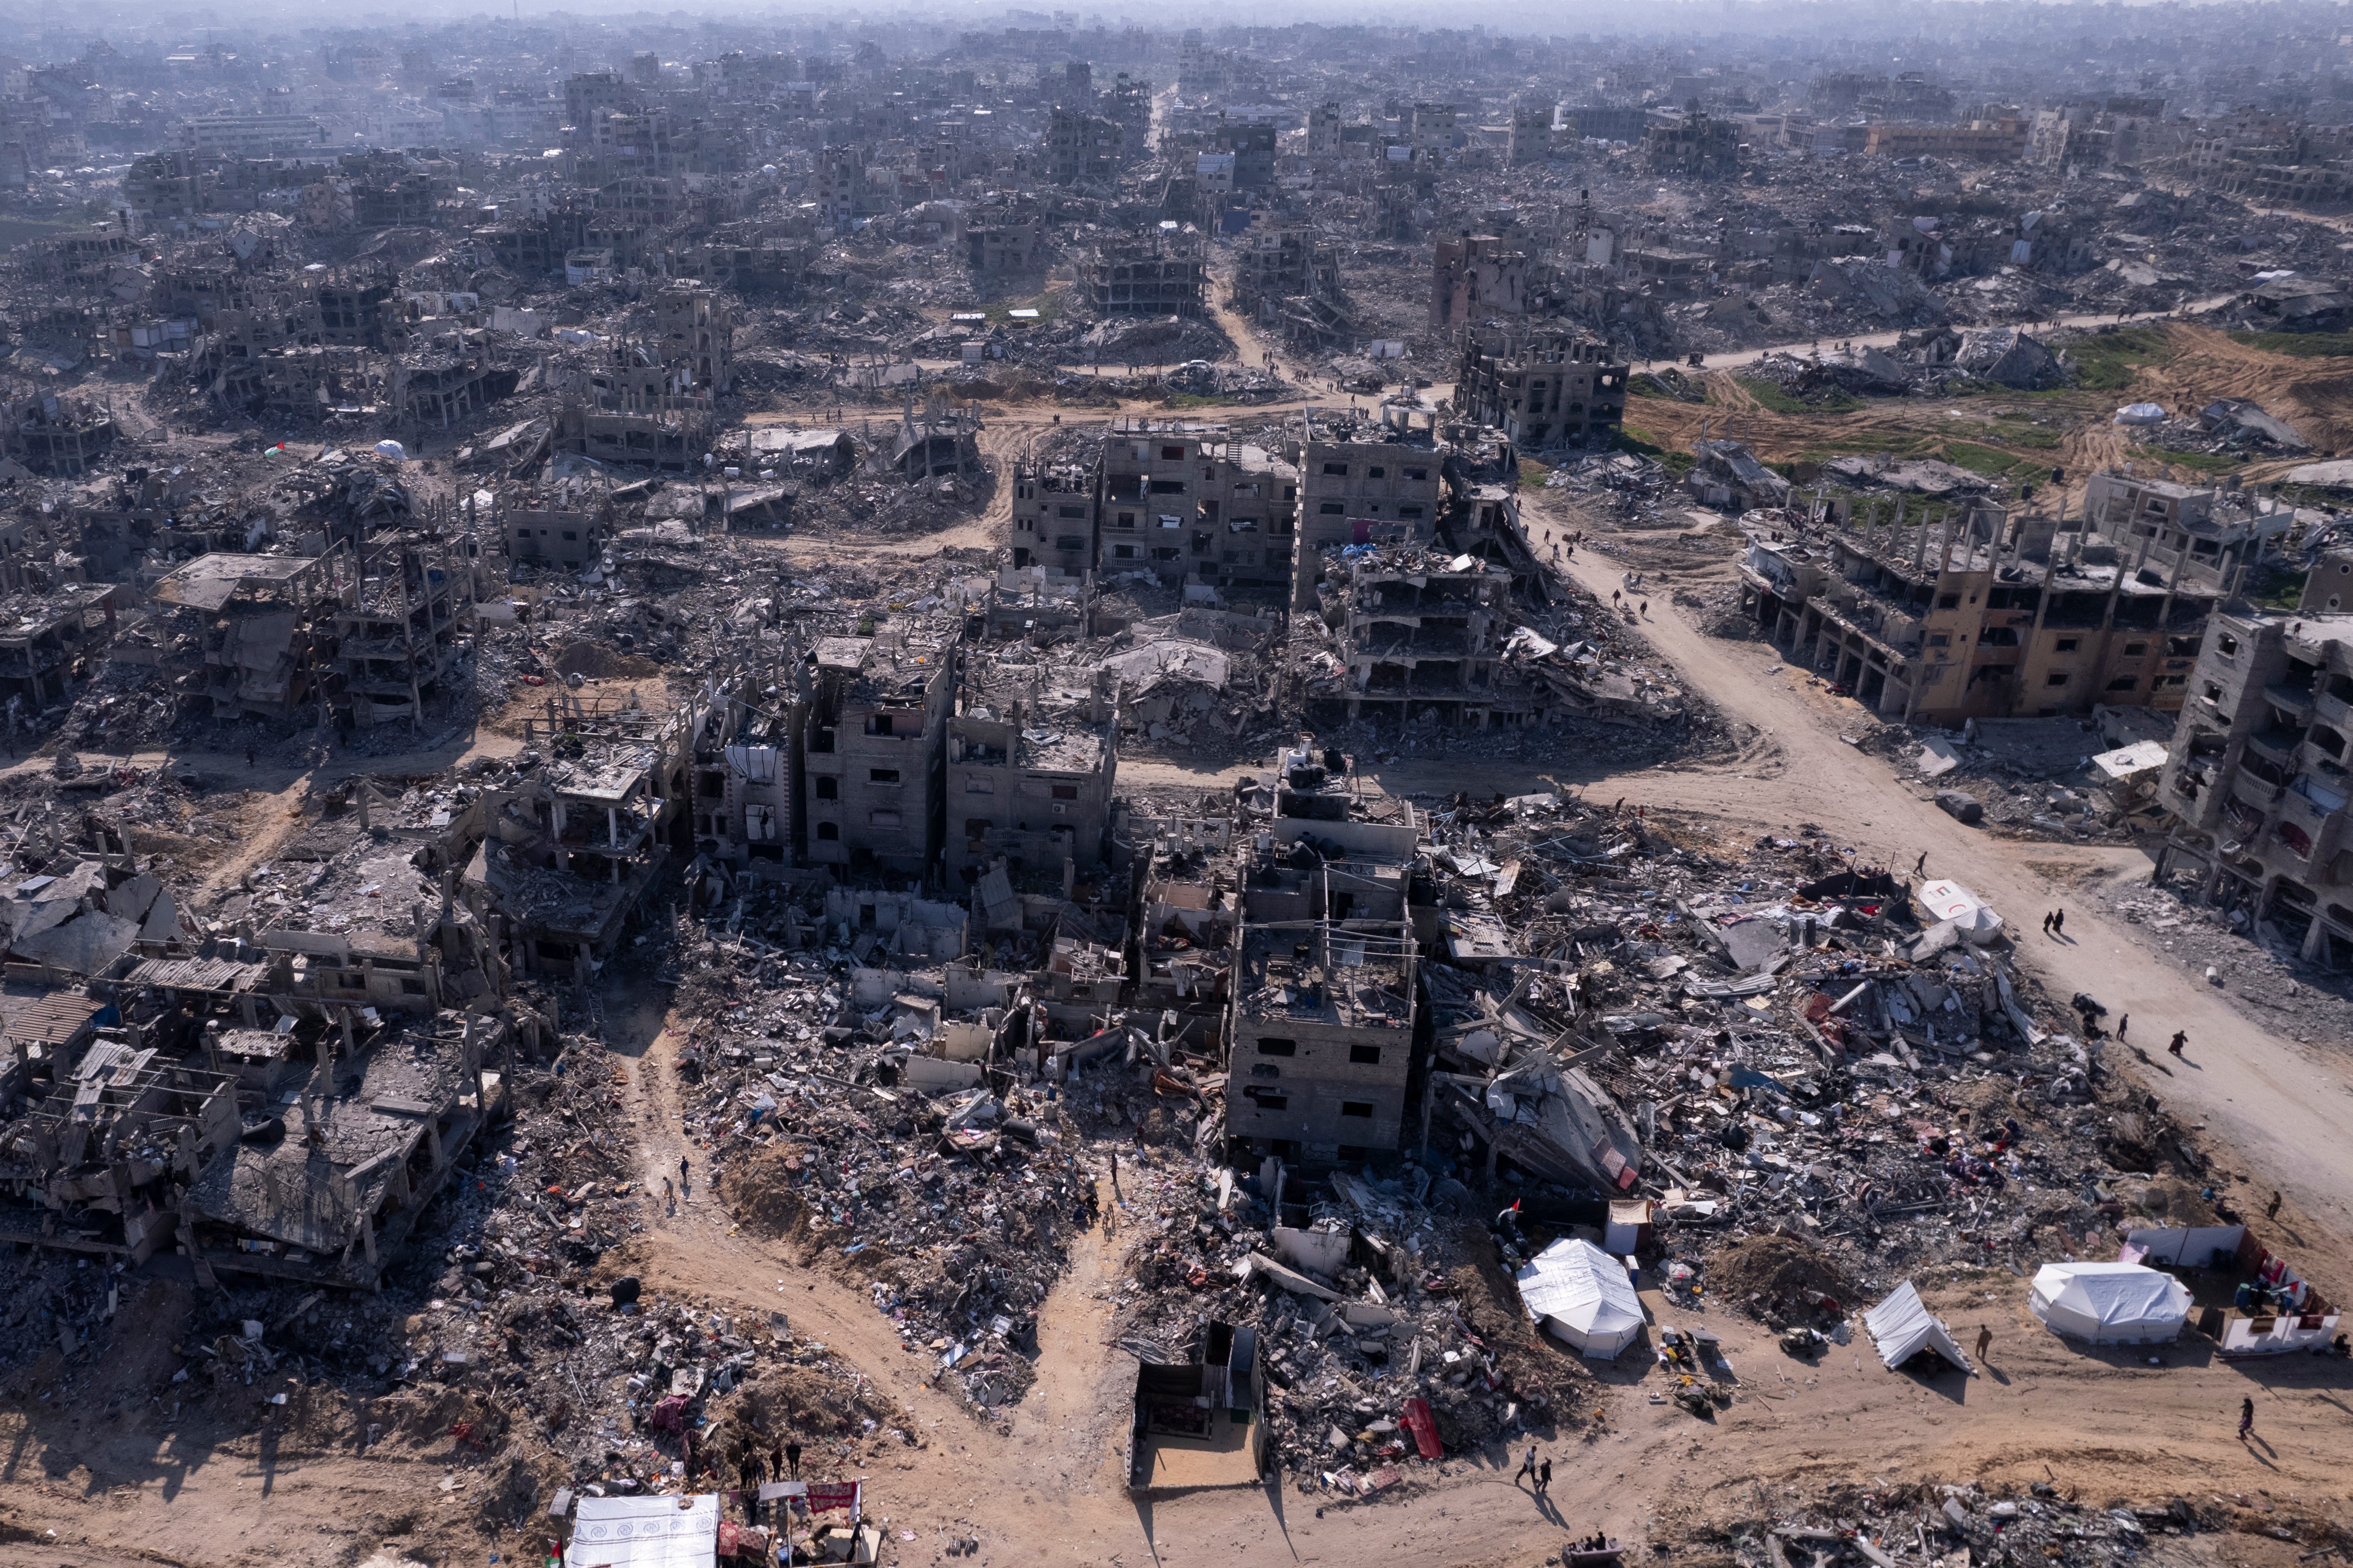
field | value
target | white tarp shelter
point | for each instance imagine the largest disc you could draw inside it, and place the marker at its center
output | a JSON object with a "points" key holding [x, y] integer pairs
{"points": [[1902, 1327], [2109, 1303], [1582, 1294], [645, 1532], [1969, 914]]}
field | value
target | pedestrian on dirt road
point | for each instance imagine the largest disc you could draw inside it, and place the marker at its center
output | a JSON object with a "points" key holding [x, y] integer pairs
{"points": [[2246, 1418], [2058, 923], [1920, 867], [1614, 595], [2046, 922], [1645, 611], [793, 1458], [682, 1186], [1527, 1464], [2180, 1038], [2270, 1209], [1114, 1177], [2123, 1021], [1544, 1477], [1985, 1337], [670, 1195]]}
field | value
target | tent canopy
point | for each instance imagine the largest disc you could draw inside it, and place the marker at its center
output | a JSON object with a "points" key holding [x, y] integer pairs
{"points": [[1582, 1294], [2109, 1303], [1902, 1327]]}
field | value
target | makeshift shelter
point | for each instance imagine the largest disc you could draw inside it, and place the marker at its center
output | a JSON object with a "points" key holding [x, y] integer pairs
{"points": [[1582, 1294], [2109, 1303], [1902, 1327], [646, 1532], [1947, 902]]}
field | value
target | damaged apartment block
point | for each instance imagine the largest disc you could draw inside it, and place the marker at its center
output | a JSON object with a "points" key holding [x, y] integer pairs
{"points": [[1543, 384], [870, 752], [1321, 1034], [1985, 615], [579, 833], [1032, 763], [265, 627], [2256, 776]]}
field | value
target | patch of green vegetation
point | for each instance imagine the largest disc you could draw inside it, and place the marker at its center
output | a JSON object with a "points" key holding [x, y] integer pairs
{"points": [[2024, 433], [1989, 461], [1644, 385], [2302, 345], [2106, 361], [1048, 305], [2198, 462], [2274, 589], [1533, 474], [1642, 444], [1195, 400], [1832, 400]]}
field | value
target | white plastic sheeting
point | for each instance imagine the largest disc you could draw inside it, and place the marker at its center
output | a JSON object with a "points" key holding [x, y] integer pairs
{"points": [[1902, 1327], [1581, 1293], [646, 1532], [2109, 1303]]}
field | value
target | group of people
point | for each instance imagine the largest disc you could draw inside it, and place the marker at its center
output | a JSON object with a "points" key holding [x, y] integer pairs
{"points": [[783, 1462]]}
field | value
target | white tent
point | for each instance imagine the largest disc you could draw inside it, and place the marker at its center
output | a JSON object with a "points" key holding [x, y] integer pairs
{"points": [[2109, 1303], [1582, 1294], [1902, 1327]]}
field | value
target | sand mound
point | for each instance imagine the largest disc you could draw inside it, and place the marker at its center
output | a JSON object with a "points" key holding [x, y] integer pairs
{"points": [[1769, 1276]]}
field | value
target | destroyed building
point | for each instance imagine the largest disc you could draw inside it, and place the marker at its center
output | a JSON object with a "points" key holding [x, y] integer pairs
{"points": [[1321, 1032], [1982, 615], [264, 626], [872, 753], [1196, 504], [2255, 776], [1032, 761], [576, 840], [1162, 273], [1543, 384]]}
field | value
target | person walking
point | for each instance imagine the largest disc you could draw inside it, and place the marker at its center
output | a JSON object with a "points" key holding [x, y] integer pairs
{"points": [[2046, 922], [1985, 1337], [2123, 1021], [752, 1477], [1920, 867], [2058, 923], [793, 1458], [682, 1187], [2246, 1418], [2270, 1209], [1645, 611], [1528, 1464], [1544, 1477], [670, 1195], [2180, 1038], [251, 758]]}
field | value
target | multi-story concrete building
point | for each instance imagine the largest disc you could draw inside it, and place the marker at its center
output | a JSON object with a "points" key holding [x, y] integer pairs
{"points": [[1980, 615], [871, 747], [1384, 487], [1541, 384], [1475, 276], [1195, 504], [2258, 779], [1032, 757], [1321, 1027], [1054, 514], [1083, 148], [1162, 274]]}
